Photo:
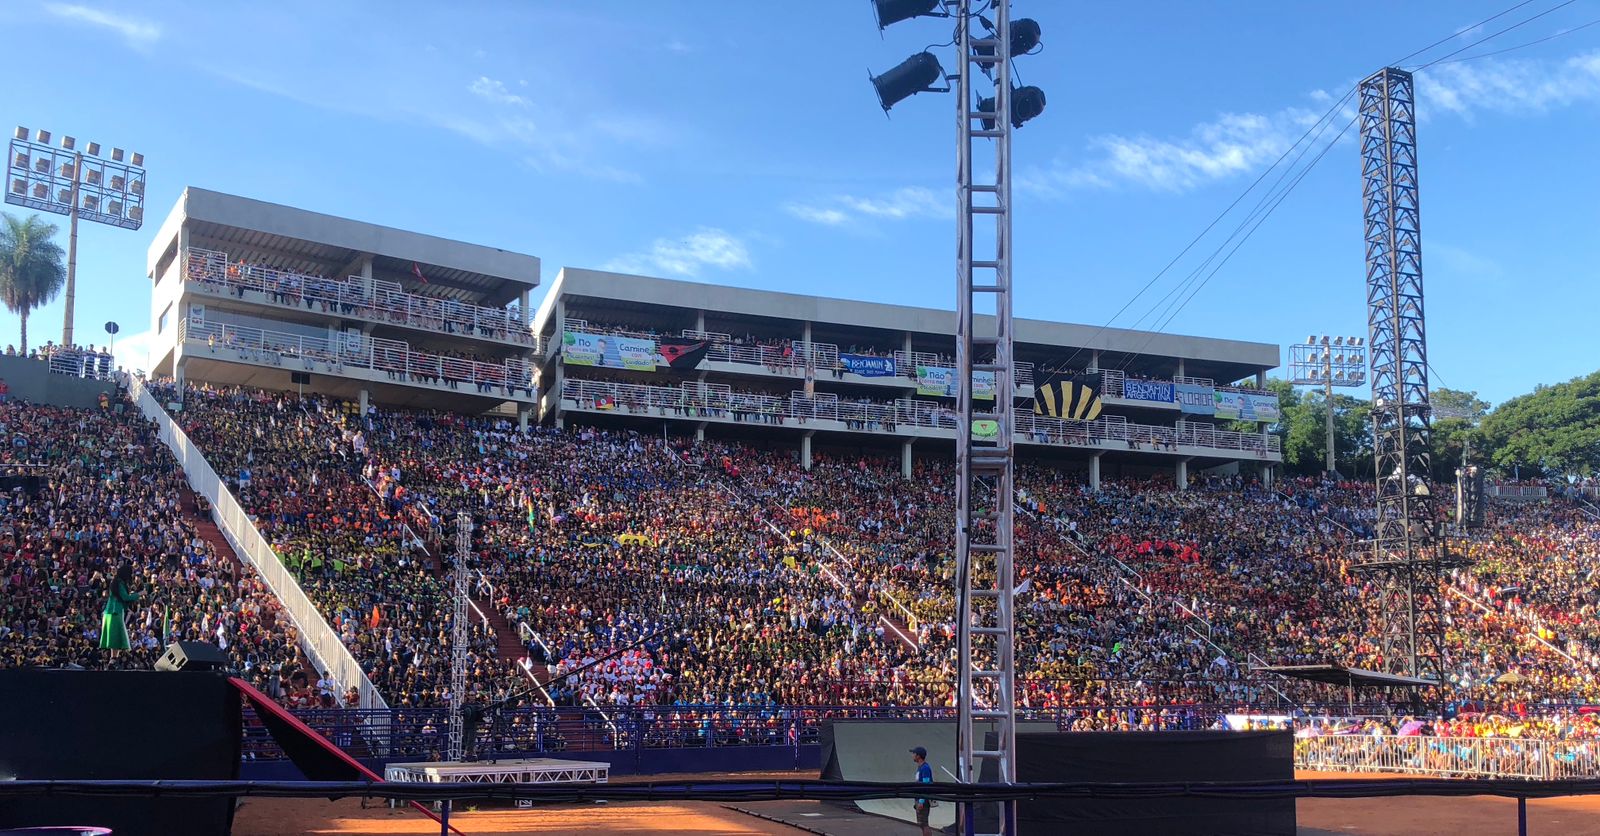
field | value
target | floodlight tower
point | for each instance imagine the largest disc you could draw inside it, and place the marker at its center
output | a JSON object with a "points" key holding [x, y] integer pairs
{"points": [[985, 486], [458, 638], [1341, 362], [66, 182], [1408, 557]]}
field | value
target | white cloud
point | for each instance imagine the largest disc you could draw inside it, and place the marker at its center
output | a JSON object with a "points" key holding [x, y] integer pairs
{"points": [[1237, 143], [495, 91], [135, 32], [909, 202], [706, 247], [132, 352], [678, 46], [1509, 86]]}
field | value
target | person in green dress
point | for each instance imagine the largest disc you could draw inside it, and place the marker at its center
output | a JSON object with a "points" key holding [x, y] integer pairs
{"points": [[113, 625]]}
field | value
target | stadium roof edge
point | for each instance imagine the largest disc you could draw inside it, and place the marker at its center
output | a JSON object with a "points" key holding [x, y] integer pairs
{"points": [[572, 281], [492, 274]]}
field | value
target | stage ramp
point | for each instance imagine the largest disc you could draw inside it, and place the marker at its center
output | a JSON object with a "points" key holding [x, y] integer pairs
{"points": [[880, 750]]}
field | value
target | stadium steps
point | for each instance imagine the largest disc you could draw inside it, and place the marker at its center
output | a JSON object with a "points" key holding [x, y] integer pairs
{"points": [[207, 529]]}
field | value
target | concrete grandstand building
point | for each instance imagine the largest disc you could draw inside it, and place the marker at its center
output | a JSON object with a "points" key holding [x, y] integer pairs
{"points": [[254, 293], [813, 371]]}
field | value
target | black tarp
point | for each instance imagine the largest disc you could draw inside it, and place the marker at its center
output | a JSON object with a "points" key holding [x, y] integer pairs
{"points": [[1157, 757], [61, 724]]}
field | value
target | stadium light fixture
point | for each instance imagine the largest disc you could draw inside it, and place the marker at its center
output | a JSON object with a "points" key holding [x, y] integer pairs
{"points": [[1327, 362], [916, 74], [890, 12], [1026, 103], [68, 181]]}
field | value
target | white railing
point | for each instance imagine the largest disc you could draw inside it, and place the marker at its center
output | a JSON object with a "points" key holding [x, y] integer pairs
{"points": [[1517, 491], [379, 301], [392, 358], [73, 362], [319, 639], [717, 401], [1452, 757]]}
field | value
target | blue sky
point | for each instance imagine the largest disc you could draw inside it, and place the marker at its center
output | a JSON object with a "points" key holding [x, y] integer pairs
{"points": [[738, 142]]}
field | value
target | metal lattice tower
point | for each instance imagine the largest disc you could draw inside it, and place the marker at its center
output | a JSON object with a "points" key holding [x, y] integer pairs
{"points": [[986, 658], [1408, 555], [459, 636]]}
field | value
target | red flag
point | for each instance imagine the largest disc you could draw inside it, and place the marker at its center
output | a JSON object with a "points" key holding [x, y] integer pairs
{"points": [[377, 618], [417, 271]]}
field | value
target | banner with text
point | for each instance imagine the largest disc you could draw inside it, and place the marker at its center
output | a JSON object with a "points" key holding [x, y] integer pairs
{"points": [[942, 381], [1194, 399], [1247, 407], [1157, 391], [608, 351], [866, 366]]}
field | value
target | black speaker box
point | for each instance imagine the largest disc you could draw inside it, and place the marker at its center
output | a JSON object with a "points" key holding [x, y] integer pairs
{"points": [[192, 656]]}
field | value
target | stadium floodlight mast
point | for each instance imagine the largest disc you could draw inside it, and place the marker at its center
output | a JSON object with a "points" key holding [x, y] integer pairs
{"points": [[1319, 361], [985, 481], [76, 183]]}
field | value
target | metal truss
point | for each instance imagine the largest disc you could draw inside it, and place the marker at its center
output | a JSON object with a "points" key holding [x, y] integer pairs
{"points": [[986, 658], [1408, 556], [458, 637]]}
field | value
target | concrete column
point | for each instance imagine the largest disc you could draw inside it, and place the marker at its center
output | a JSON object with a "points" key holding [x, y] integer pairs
{"points": [[177, 373], [700, 321], [805, 449], [1180, 368], [364, 399], [907, 345], [1266, 476], [905, 458], [522, 419], [561, 421], [700, 431], [1181, 474], [522, 306], [1094, 361], [1094, 471], [561, 318], [1261, 379]]}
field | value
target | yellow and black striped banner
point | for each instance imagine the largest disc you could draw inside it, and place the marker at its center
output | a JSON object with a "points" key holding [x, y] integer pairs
{"points": [[1067, 399]]}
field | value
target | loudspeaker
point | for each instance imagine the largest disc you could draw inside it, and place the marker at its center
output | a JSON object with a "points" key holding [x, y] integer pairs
{"points": [[192, 656], [301, 378]]}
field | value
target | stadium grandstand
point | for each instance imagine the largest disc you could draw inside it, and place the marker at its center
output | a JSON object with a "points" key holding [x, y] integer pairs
{"points": [[721, 551]]}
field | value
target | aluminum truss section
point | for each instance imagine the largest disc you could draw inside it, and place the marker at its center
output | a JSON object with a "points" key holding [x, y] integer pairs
{"points": [[459, 636], [1407, 557], [986, 658]]}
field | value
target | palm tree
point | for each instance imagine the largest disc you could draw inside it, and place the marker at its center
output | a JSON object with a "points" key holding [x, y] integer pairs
{"points": [[31, 273]]}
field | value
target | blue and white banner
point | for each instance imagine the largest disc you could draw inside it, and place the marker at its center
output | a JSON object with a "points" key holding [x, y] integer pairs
{"points": [[866, 366], [1194, 399], [1159, 391], [1263, 407]]}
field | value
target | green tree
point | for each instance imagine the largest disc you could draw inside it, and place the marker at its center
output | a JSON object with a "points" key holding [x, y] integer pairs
{"points": [[1456, 416], [31, 270], [1303, 433], [1551, 430]]}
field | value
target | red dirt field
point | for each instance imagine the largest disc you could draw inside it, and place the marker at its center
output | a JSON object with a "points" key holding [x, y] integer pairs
{"points": [[1417, 815]]}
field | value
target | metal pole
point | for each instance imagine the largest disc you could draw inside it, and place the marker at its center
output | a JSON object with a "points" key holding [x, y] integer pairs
{"points": [[72, 251], [1327, 379]]}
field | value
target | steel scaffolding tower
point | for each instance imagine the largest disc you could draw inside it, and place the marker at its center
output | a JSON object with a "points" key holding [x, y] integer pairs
{"points": [[458, 636], [1408, 556], [986, 656]]}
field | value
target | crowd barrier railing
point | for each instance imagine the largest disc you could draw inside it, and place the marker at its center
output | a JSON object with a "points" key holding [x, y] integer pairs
{"points": [[315, 634], [383, 360], [1450, 757], [694, 400], [379, 300]]}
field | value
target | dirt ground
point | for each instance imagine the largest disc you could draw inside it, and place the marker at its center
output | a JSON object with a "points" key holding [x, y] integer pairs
{"points": [[1410, 816]]}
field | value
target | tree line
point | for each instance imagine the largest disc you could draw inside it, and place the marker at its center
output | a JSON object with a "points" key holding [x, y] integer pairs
{"points": [[1553, 431]]}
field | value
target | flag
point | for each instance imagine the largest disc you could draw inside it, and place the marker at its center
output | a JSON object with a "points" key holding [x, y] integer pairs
{"points": [[605, 402], [682, 353], [1071, 399], [416, 270], [377, 617]]}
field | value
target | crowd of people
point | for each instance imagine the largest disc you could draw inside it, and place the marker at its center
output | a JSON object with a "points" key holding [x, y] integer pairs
{"points": [[637, 573]]}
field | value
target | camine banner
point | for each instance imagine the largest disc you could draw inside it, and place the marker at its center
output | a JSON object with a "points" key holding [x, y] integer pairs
{"points": [[1245, 407], [608, 351], [942, 381], [1194, 399], [866, 366]]}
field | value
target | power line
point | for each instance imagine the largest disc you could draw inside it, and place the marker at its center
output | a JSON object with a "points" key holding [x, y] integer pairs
{"points": [[1513, 26], [1562, 33]]}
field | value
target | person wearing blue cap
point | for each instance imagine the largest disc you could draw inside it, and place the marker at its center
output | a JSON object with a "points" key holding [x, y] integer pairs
{"points": [[919, 756]]}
